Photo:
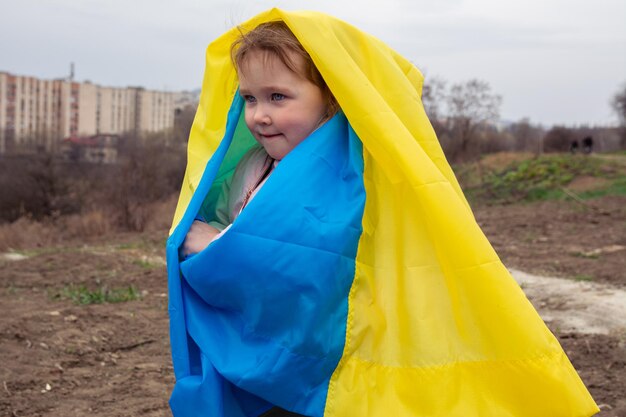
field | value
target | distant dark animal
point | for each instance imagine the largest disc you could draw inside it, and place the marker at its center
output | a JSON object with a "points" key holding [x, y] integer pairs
{"points": [[588, 144], [573, 146]]}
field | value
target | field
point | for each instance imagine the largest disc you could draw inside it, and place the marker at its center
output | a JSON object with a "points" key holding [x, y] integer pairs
{"points": [[84, 329]]}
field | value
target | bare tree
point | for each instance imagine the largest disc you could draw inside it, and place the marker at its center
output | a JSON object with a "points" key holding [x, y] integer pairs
{"points": [[433, 97], [559, 139], [147, 171], [619, 105], [182, 123], [528, 137], [470, 105], [34, 184]]}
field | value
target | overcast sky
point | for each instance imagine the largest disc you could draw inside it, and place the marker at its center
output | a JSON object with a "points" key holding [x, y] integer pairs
{"points": [[554, 61]]}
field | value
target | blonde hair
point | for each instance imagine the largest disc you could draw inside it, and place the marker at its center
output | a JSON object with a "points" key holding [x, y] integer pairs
{"points": [[277, 40]]}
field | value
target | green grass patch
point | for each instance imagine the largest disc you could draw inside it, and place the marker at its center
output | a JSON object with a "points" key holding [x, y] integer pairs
{"points": [[81, 295], [540, 194], [126, 246], [545, 178], [617, 187], [583, 277]]}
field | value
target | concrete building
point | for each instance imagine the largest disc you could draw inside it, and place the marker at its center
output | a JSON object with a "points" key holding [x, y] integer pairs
{"points": [[40, 113], [116, 110], [3, 110], [154, 111]]}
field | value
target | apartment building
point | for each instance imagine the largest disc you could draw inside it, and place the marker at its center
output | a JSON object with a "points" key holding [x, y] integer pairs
{"points": [[40, 113], [28, 108], [154, 110]]}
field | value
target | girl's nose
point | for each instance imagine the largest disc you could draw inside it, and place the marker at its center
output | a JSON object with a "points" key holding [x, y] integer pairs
{"points": [[261, 116]]}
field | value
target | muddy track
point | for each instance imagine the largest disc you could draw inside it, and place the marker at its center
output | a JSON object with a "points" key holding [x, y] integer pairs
{"points": [[576, 306]]}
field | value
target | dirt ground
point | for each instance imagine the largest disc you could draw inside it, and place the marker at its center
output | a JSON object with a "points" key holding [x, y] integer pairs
{"points": [[584, 242], [112, 359]]}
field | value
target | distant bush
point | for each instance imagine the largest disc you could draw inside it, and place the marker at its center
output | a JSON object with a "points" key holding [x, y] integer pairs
{"points": [[147, 173], [559, 139], [27, 233], [91, 199], [35, 185]]}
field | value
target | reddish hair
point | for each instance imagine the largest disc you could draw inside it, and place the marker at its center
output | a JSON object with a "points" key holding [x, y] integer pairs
{"points": [[277, 41]]}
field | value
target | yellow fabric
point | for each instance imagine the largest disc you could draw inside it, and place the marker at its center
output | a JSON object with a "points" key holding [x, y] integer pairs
{"points": [[436, 325]]}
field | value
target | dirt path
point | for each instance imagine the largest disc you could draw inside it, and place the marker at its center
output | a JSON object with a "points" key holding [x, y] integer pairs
{"points": [[576, 306], [589, 320]]}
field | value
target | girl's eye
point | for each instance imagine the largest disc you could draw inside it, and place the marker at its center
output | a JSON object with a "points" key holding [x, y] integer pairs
{"points": [[249, 99], [277, 97]]}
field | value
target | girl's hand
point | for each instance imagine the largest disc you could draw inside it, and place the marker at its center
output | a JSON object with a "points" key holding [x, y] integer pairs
{"points": [[199, 236]]}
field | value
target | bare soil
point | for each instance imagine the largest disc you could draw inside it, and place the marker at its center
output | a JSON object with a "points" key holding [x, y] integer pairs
{"points": [[579, 240], [63, 359], [59, 358]]}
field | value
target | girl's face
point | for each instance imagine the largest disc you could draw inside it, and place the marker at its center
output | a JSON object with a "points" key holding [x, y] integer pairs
{"points": [[282, 108]]}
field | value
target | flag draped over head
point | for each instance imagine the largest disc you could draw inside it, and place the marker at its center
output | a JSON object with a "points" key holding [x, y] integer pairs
{"points": [[357, 282]]}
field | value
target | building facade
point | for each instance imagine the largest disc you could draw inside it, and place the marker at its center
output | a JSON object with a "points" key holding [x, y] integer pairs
{"points": [[36, 113]]}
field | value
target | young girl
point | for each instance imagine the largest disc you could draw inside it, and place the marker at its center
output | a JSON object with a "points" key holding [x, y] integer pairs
{"points": [[286, 99], [340, 271]]}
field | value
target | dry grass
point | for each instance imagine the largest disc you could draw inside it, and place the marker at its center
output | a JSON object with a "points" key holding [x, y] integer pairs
{"points": [[161, 214], [500, 160], [26, 233], [93, 223]]}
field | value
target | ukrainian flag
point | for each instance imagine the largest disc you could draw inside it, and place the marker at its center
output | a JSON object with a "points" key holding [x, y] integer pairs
{"points": [[357, 282]]}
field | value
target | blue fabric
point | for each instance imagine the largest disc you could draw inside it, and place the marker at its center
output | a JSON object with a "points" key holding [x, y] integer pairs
{"points": [[259, 317], [183, 349]]}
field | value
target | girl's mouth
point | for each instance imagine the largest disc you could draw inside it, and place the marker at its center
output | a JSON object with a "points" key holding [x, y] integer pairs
{"points": [[269, 136]]}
